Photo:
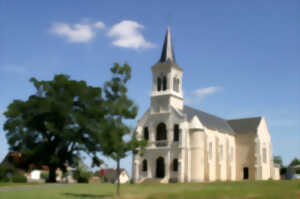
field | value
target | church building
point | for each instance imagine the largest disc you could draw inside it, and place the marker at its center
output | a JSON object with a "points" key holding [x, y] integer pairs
{"points": [[185, 144]]}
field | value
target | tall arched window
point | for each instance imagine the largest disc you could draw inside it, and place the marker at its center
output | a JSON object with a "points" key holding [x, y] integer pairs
{"points": [[146, 133], [158, 84], [176, 133], [161, 132], [145, 166], [175, 164], [164, 83]]}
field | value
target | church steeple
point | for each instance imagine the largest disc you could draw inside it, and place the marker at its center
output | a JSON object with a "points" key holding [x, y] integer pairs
{"points": [[167, 54], [166, 80]]}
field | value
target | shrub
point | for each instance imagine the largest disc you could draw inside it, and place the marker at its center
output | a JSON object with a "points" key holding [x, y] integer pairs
{"points": [[6, 172], [18, 177], [82, 176], [45, 176]]}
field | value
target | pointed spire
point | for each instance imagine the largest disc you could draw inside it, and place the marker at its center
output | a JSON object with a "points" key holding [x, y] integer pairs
{"points": [[167, 54]]}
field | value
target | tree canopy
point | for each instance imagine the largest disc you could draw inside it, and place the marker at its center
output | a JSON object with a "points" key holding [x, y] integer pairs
{"points": [[295, 162], [53, 125], [115, 139]]}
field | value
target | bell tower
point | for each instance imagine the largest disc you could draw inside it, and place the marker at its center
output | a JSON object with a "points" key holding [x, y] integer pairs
{"points": [[166, 80]]}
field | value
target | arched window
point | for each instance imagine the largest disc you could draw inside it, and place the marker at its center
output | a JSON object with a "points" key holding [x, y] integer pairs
{"points": [[146, 133], [176, 133], [175, 164], [161, 132], [158, 84], [164, 83], [145, 166], [177, 84]]}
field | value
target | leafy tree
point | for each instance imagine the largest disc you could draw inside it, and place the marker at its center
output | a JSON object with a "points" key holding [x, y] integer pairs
{"points": [[56, 123], [115, 140], [278, 160], [294, 162]]}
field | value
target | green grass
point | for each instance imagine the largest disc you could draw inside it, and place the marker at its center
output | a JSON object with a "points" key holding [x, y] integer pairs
{"points": [[218, 190], [9, 184]]}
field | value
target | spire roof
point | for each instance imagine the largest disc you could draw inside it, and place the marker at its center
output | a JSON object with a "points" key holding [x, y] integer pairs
{"points": [[167, 54]]}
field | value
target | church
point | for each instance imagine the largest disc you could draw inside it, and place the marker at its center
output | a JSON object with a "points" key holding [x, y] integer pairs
{"points": [[185, 144]]}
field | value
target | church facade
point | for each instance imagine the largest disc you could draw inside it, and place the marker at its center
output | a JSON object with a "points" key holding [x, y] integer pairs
{"points": [[188, 145]]}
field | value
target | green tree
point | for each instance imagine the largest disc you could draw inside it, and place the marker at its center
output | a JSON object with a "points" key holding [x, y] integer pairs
{"points": [[294, 162], [278, 160], [56, 123], [115, 141]]}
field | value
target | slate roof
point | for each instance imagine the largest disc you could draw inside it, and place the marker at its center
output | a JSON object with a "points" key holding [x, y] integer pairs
{"points": [[245, 125], [208, 120]]}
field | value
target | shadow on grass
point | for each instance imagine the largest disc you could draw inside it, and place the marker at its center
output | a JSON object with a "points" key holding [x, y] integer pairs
{"points": [[87, 196]]}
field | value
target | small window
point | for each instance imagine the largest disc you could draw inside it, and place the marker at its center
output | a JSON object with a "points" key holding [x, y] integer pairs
{"points": [[210, 151], [231, 153], [176, 133], [175, 164], [221, 152], [145, 166], [264, 155], [146, 133], [174, 84], [164, 83], [158, 84]]}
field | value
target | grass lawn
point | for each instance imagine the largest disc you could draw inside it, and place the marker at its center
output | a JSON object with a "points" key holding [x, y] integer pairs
{"points": [[15, 184], [221, 190]]}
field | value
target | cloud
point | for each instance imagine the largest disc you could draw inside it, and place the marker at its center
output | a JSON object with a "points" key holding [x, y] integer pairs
{"points": [[99, 25], [127, 35], [77, 33], [197, 95], [203, 92]]}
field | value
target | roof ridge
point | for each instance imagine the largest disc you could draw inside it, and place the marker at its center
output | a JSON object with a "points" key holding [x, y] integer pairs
{"points": [[246, 118], [205, 112]]}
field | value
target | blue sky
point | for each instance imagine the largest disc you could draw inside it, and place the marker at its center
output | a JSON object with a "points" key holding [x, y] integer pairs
{"points": [[240, 58]]}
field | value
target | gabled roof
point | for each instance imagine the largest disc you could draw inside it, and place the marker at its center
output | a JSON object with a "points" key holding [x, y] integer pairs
{"points": [[245, 125], [208, 120]]}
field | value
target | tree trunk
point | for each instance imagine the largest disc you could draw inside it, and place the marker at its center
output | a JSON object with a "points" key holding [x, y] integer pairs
{"points": [[52, 174], [118, 177]]}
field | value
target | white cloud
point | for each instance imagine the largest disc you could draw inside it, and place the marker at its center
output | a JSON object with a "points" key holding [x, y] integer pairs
{"points": [[77, 33], [127, 35], [203, 92], [99, 25]]}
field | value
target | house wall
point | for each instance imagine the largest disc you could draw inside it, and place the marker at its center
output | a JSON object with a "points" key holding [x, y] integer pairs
{"points": [[124, 178], [265, 167], [221, 163], [197, 140], [245, 154]]}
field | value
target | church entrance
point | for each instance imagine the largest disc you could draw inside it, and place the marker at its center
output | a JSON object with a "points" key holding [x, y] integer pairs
{"points": [[160, 167], [246, 173]]}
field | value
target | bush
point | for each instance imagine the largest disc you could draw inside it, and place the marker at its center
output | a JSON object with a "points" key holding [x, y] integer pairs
{"points": [[6, 172], [18, 177], [82, 176], [45, 176]]}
